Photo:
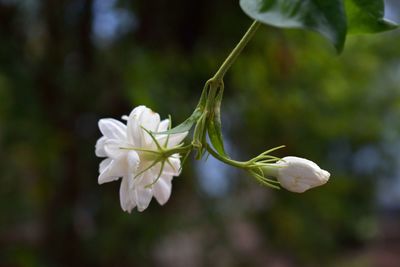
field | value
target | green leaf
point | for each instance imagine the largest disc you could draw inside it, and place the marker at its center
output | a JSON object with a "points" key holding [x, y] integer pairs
{"points": [[214, 125], [186, 125], [326, 17], [367, 16]]}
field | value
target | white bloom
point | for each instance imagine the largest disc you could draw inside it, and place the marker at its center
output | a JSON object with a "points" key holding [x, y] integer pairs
{"points": [[131, 153], [298, 174]]}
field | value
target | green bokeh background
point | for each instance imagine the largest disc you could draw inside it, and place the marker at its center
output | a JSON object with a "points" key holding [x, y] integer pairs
{"points": [[66, 64]]}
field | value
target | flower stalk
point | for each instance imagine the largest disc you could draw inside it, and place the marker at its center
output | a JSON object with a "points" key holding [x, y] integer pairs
{"points": [[219, 75], [226, 160], [210, 101], [294, 174]]}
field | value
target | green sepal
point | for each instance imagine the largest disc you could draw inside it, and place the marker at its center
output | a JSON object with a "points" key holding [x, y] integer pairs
{"points": [[186, 125], [214, 125]]}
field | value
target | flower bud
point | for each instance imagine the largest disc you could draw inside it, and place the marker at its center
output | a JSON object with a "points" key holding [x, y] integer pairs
{"points": [[298, 174]]}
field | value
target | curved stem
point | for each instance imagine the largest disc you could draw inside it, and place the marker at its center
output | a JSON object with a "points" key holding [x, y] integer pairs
{"points": [[207, 101], [219, 75], [231, 162]]}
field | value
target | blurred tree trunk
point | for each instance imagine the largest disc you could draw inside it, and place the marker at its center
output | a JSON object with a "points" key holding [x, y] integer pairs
{"points": [[61, 238]]}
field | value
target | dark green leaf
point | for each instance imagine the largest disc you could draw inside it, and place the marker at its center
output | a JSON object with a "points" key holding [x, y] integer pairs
{"points": [[324, 16], [367, 16]]}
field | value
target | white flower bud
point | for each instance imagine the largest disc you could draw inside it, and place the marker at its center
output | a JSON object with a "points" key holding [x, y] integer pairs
{"points": [[298, 174]]}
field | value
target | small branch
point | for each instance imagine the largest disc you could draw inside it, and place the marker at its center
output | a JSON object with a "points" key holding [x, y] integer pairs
{"points": [[234, 163], [219, 75]]}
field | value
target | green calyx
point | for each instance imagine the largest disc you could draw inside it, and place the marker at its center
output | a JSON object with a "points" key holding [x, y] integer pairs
{"points": [[163, 152], [210, 120], [161, 155]]}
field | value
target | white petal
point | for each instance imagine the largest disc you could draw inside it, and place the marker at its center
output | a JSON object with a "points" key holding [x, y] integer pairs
{"points": [[163, 126], [298, 174], [124, 165], [124, 194], [112, 172], [114, 148], [302, 187], [104, 164], [142, 194], [324, 176], [142, 197], [142, 118], [143, 175], [134, 131], [149, 120], [127, 204], [173, 139], [136, 112], [100, 152], [174, 168], [111, 128], [162, 190], [176, 139], [133, 161]]}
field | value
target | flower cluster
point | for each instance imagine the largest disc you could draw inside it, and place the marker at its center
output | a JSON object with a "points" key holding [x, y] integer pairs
{"points": [[145, 152], [137, 153]]}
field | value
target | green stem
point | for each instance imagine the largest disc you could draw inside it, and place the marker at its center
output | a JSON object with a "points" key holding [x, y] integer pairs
{"points": [[208, 98], [231, 162], [219, 75]]}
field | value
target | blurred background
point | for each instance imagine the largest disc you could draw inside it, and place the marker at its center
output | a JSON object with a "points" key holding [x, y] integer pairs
{"points": [[66, 64]]}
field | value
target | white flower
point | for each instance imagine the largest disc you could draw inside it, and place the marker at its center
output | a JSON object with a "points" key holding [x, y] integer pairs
{"points": [[132, 153], [298, 174]]}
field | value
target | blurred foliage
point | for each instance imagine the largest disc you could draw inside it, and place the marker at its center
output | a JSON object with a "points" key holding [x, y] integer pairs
{"points": [[66, 64]]}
